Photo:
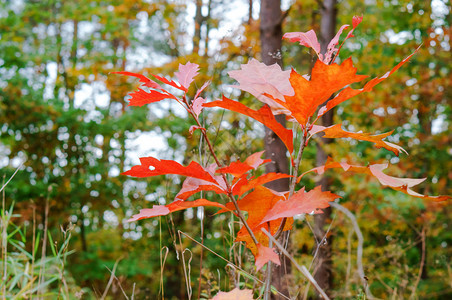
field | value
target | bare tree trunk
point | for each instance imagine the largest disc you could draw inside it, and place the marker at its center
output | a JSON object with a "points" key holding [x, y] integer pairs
{"points": [[199, 20], [271, 19], [323, 270]]}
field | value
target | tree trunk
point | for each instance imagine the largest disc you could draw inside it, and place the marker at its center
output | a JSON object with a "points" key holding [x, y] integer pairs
{"points": [[199, 20], [323, 270], [271, 40]]}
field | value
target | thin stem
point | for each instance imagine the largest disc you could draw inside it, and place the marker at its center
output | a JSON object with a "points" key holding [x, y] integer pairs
{"points": [[421, 267], [229, 262], [268, 279], [229, 192], [359, 254], [293, 180], [302, 269]]}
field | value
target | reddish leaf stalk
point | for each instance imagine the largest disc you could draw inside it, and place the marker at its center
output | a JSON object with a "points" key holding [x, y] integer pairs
{"points": [[229, 193], [293, 180]]}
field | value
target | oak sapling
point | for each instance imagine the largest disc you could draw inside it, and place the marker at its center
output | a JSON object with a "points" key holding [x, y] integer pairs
{"points": [[296, 96]]}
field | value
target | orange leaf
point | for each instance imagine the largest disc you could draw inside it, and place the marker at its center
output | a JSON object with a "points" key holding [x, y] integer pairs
{"points": [[162, 167], [348, 92], [238, 168], [325, 80], [399, 184], [141, 97], [263, 115], [163, 210], [192, 186], [257, 203], [244, 185], [300, 203], [336, 131], [265, 254]]}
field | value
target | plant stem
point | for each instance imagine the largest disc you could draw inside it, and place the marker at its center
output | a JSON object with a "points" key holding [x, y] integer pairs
{"points": [[302, 269], [229, 192], [293, 180]]}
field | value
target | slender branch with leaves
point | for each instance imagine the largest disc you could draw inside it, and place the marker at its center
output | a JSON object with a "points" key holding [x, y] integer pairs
{"points": [[263, 212]]}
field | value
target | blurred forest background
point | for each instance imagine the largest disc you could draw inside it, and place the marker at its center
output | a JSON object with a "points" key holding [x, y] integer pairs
{"points": [[65, 119]]}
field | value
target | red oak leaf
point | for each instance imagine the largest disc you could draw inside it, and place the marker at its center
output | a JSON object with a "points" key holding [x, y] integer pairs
{"points": [[300, 203], [243, 185], [259, 79], [170, 82], [348, 92], [263, 115], [162, 167], [186, 74], [331, 49], [325, 80], [197, 105], [163, 210], [199, 91], [235, 168], [141, 97], [336, 131], [192, 186], [264, 255], [235, 294], [257, 203], [143, 79], [255, 160], [238, 168], [399, 184], [307, 39]]}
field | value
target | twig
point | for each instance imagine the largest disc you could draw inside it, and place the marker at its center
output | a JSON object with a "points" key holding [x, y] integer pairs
{"points": [[112, 276], [320, 243], [162, 266], [229, 262], [14, 174], [421, 267], [44, 242], [186, 275], [201, 254], [302, 269], [268, 279], [293, 181], [359, 251], [228, 186]]}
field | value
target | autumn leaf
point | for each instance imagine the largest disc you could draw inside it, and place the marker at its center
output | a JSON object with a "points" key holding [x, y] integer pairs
{"points": [[376, 170], [307, 39], [348, 92], [336, 131], [235, 294], [243, 185], [259, 79], [163, 210], [197, 105], [142, 97], [263, 115], [162, 167], [325, 80], [143, 79], [186, 74], [238, 168], [264, 255], [257, 204], [192, 186], [201, 89], [300, 203]]}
